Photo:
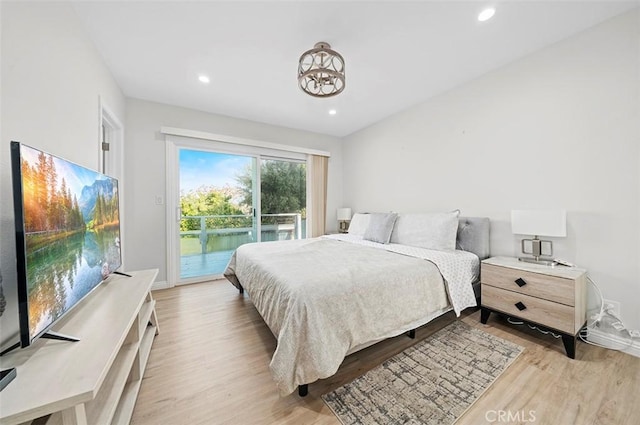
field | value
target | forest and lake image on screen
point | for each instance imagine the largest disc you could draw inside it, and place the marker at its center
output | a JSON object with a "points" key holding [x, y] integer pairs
{"points": [[72, 233]]}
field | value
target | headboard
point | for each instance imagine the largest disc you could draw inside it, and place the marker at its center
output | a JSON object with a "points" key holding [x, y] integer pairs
{"points": [[473, 236]]}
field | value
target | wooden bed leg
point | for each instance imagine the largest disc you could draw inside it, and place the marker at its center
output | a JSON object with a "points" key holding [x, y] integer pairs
{"points": [[303, 390], [412, 334], [241, 289]]}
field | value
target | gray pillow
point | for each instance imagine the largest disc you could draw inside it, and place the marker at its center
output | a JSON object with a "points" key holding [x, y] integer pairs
{"points": [[359, 224], [380, 227]]}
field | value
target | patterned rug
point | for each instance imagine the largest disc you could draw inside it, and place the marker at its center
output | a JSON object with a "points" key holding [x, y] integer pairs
{"points": [[432, 382]]}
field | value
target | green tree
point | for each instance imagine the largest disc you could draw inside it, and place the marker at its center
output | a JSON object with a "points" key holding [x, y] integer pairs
{"points": [[210, 201], [283, 187], [46, 208], [98, 212]]}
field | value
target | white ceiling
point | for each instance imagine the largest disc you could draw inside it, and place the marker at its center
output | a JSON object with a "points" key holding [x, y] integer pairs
{"points": [[397, 54]]}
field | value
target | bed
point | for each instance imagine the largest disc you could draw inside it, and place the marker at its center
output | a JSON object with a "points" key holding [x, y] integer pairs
{"points": [[325, 298]]}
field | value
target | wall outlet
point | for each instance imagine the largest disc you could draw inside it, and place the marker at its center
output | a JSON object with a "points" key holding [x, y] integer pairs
{"points": [[634, 333], [613, 307]]}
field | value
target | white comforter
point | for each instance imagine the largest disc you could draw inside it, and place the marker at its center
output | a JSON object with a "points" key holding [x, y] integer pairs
{"points": [[322, 297]]}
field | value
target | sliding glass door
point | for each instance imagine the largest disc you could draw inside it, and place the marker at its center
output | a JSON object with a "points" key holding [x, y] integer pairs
{"points": [[227, 200], [217, 209], [283, 199]]}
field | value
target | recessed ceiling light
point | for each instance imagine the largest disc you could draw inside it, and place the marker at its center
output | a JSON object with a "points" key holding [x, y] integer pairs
{"points": [[486, 14], [332, 112], [203, 79]]}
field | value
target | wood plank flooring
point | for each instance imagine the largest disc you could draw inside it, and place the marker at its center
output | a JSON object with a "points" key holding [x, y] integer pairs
{"points": [[210, 365]]}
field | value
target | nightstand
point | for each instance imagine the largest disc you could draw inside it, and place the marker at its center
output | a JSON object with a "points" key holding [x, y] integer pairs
{"points": [[552, 297]]}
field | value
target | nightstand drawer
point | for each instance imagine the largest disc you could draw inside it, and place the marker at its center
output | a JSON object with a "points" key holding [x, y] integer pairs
{"points": [[558, 289], [546, 313]]}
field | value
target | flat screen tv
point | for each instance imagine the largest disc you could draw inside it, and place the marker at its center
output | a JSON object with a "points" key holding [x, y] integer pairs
{"points": [[67, 224]]}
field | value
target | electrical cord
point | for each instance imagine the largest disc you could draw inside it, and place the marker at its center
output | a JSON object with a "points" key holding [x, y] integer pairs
{"points": [[535, 328], [597, 318]]}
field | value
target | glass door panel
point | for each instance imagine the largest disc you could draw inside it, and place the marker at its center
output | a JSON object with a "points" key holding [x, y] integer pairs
{"points": [[217, 209], [283, 199]]}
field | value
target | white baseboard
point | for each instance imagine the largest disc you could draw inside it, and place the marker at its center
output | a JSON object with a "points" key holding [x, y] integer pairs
{"points": [[607, 340], [160, 285]]}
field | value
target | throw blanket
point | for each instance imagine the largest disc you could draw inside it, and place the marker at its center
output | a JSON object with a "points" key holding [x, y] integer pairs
{"points": [[322, 297]]}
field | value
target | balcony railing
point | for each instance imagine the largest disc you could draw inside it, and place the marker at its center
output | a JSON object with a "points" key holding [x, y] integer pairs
{"points": [[231, 231]]}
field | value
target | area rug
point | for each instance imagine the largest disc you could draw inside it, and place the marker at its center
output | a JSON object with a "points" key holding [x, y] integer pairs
{"points": [[432, 382]]}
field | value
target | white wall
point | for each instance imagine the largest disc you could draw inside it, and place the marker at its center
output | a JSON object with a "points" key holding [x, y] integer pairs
{"points": [[52, 79], [145, 170], [557, 129]]}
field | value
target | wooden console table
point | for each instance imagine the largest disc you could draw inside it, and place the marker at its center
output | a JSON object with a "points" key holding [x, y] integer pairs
{"points": [[95, 380]]}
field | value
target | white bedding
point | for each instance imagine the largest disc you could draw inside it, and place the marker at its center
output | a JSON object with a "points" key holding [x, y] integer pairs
{"points": [[322, 297]]}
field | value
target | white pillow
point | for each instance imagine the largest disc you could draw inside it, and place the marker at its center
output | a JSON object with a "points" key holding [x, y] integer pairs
{"points": [[431, 231], [359, 224]]}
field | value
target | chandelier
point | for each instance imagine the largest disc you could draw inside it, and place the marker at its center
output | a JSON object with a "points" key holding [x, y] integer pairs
{"points": [[321, 71]]}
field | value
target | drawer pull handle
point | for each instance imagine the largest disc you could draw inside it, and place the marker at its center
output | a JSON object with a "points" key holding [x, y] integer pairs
{"points": [[520, 282], [520, 306]]}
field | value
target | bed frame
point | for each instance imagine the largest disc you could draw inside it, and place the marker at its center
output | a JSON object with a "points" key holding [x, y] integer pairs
{"points": [[473, 236]]}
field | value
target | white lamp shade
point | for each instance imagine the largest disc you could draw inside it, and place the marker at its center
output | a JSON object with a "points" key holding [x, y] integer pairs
{"points": [[344, 214], [539, 222]]}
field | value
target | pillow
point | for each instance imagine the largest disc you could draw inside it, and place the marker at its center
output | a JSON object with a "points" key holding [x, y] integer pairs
{"points": [[359, 224], [431, 231], [380, 227]]}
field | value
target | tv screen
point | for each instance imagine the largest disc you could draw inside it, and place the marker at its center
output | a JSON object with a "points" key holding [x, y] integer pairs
{"points": [[67, 235]]}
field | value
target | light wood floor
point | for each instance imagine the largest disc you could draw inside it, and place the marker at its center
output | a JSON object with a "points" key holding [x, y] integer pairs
{"points": [[210, 365]]}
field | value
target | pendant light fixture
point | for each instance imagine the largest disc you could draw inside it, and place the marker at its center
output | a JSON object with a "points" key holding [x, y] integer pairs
{"points": [[321, 71]]}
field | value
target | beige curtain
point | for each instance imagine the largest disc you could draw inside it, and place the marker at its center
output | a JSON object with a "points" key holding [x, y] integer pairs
{"points": [[319, 167]]}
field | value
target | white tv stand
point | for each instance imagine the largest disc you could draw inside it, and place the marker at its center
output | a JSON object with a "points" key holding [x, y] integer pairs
{"points": [[95, 380]]}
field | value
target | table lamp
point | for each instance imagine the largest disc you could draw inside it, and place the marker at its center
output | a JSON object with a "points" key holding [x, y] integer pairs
{"points": [[344, 217], [538, 223]]}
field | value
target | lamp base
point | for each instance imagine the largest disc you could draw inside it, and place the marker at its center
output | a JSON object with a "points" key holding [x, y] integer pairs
{"points": [[343, 226], [542, 262]]}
